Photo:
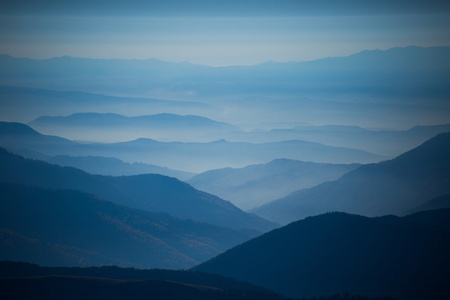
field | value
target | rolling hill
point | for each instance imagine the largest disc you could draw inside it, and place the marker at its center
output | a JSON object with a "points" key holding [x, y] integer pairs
{"points": [[150, 192], [71, 228], [191, 157], [404, 258], [120, 283], [395, 186], [112, 166], [102, 127], [255, 185]]}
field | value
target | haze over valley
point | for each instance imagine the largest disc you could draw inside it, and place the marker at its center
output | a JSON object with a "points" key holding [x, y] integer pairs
{"points": [[247, 150]]}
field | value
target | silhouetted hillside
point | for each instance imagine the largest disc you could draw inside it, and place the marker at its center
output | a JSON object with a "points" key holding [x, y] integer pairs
{"points": [[21, 269], [396, 186], [15, 274], [405, 258], [70, 228], [255, 185], [149, 192], [56, 287]]}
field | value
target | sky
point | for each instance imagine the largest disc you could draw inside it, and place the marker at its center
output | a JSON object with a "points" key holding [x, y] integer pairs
{"points": [[218, 33]]}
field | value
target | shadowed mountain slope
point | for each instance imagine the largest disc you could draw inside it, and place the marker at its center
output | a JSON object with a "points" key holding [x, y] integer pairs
{"points": [[396, 186], [405, 258], [71, 228], [435, 203], [255, 185], [149, 192]]}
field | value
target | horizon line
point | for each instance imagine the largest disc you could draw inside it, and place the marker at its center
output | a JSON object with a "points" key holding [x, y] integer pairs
{"points": [[216, 66]]}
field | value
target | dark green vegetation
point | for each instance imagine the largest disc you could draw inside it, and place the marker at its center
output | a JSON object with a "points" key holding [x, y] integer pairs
{"points": [[149, 192], [396, 186], [405, 258], [71, 228], [255, 185]]}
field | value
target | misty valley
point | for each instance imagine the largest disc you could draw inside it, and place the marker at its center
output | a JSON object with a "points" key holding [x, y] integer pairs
{"points": [[146, 179]]}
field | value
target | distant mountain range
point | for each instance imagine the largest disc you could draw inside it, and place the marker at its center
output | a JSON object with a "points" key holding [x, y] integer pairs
{"points": [[71, 228], [407, 86], [149, 192], [339, 74], [378, 141], [256, 185], [404, 258], [395, 186], [115, 128], [193, 157], [26, 104]]}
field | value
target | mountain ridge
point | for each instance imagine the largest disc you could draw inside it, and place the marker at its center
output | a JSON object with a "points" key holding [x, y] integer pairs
{"points": [[403, 258], [255, 185], [390, 187], [71, 228], [149, 192]]}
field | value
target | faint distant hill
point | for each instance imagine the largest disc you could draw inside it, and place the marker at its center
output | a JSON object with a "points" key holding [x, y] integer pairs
{"points": [[398, 70], [391, 187], [102, 127], [25, 104], [193, 157], [150, 192], [71, 228], [378, 141], [435, 203], [255, 185], [113, 166], [404, 258], [406, 86]]}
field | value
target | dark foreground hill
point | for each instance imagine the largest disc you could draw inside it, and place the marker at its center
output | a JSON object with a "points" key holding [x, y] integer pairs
{"points": [[149, 192], [396, 186], [27, 281], [405, 258], [71, 228]]}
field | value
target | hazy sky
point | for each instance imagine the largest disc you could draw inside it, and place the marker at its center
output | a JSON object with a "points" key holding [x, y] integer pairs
{"points": [[218, 32]]}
